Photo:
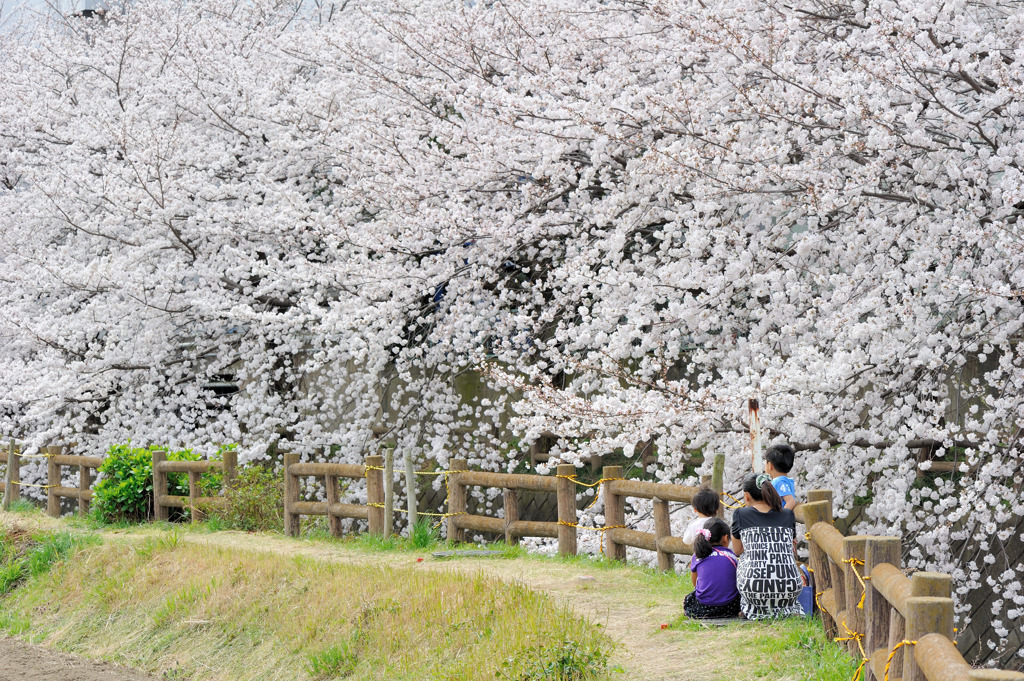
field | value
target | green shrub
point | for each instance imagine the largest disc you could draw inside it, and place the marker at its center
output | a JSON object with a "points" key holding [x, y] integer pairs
{"points": [[255, 503], [125, 491]]}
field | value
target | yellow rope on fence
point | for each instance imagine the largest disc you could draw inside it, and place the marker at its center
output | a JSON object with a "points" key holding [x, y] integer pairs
{"points": [[36, 456], [587, 484], [855, 636], [892, 654], [593, 529], [406, 511], [854, 562], [739, 502], [817, 593], [32, 484]]}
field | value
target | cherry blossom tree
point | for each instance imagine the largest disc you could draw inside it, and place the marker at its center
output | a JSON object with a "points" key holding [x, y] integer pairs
{"points": [[622, 218]]}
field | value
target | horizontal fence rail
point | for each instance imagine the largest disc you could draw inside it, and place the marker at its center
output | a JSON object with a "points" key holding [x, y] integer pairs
{"points": [[897, 626], [163, 502]]}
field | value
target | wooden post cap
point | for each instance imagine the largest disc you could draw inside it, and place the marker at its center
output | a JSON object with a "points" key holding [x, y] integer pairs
{"points": [[934, 584]]}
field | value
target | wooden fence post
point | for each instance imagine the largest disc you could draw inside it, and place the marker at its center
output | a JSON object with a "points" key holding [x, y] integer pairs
{"points": [[511, 505], [84, 481], [12, 490], [614, 513], [291, 495], [52, 480], [718, 480], [194, 495], [935, 584], [160, 512], [456, 499], [230, 462], [853, 555], [389, 490], [333, 497], [877, 611], [814, 513], [375, 494], [411, 499], [820, 495], [662, 528], [925, 615], [566, 510]]}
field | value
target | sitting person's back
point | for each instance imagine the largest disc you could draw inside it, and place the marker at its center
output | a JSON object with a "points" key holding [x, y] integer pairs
{"points": [[764, 534], [713, 570]]}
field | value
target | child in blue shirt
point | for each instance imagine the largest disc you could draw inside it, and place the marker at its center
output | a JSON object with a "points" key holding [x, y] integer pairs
{"points": [[778, 462]]}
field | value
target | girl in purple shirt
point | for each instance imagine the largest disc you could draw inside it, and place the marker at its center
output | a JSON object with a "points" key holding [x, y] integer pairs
{"points": [[713, 569]]}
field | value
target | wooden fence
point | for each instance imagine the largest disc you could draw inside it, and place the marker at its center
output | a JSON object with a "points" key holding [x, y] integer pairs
{"points": [[55, 491], [618, 536], [12, 476], [372, 511], [459, 478], [164, 502], [899, 627]]}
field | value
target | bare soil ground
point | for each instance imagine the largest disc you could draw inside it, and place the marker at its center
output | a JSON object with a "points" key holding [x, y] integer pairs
{"points": [[25, 662]]}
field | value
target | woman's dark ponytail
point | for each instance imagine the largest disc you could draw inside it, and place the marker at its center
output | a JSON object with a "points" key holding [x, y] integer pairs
{"points": [[760, 488], [709, 537]]}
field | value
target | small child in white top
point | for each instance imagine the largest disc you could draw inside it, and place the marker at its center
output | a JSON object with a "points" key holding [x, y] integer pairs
{"points": [[705, 504]]}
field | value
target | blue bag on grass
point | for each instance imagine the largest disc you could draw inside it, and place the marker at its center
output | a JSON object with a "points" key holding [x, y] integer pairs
{"points": [[806, 598]]}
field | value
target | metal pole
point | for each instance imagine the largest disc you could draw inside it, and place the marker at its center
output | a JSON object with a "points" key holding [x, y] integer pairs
{"points": [[756, 456]]}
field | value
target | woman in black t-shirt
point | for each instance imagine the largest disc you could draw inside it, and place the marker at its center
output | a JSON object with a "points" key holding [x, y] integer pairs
{"points": [[764, 536]]}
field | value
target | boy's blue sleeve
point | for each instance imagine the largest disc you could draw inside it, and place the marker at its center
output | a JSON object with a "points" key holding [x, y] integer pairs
{"points": [[784, 486]]}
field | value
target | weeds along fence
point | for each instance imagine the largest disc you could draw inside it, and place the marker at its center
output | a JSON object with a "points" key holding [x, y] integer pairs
{"points": [[163, 501], [56, 460], [898, 627]]}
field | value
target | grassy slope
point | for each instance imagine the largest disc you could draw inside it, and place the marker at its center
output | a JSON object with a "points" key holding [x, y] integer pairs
{"points": [[325, 624], [206, 612]]}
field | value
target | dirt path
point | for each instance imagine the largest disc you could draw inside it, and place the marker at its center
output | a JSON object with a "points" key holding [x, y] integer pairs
{"points": [[630, 614], [25, 662]]}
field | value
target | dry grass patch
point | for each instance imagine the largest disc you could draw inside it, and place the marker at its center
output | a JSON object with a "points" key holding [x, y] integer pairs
{"points": [[207, 612]]}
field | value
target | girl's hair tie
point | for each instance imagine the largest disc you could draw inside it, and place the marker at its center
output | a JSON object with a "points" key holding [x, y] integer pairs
{"points": [[704, 533], [763, 478]]}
